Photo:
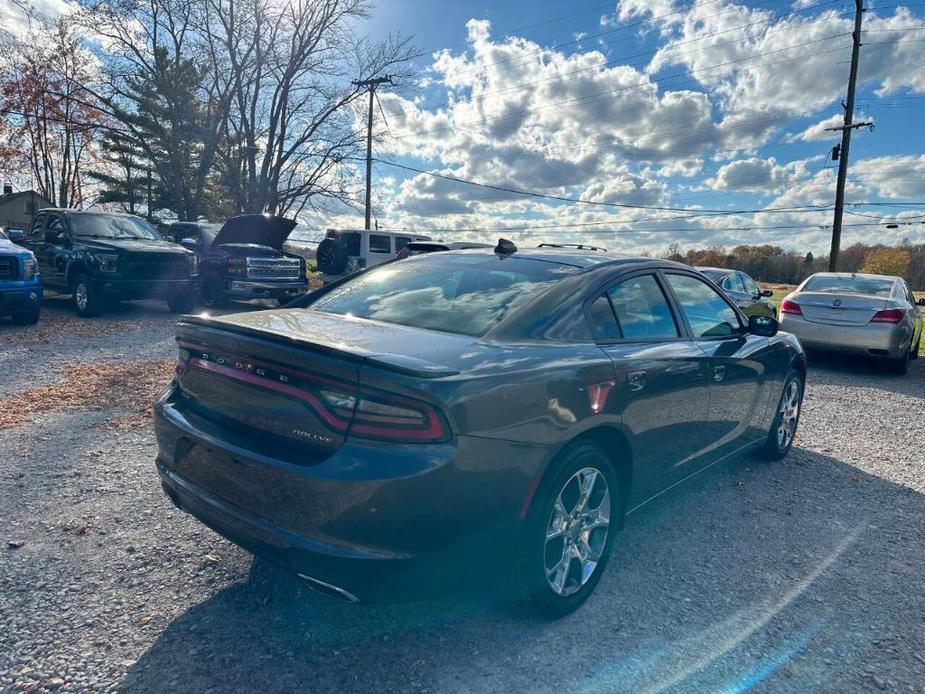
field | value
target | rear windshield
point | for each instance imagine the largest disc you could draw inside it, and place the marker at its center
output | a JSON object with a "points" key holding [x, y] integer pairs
{"points": [[112, 226], [464, 294], [852, 285], [713, 275]]}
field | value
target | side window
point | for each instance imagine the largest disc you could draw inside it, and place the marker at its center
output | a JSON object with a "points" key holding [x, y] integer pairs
{"points": [[708, 314], [379, 243], [732, 283], [401, 242], [55, 226], [749, 284], [642, 309], [37, 226], [602, 320]]}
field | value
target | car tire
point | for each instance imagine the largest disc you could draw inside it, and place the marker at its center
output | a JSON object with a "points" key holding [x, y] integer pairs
{"points": [[542, 585], [28, 317], [88, 300], [331, 256], [182, 302], [900, 366], [786, 418], [211, 292], [918, 348]]}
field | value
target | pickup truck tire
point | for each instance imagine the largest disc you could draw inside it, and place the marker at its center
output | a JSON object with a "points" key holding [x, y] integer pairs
{"points": [[28, 317], [182, 302], [331, 256], [88, 300], [211, 292]]}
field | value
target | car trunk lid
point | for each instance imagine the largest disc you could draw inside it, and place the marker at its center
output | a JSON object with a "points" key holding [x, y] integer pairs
{"points": [[292, 377], [840, 308]]}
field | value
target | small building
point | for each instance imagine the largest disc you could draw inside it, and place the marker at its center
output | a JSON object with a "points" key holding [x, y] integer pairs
{"points": [[18, 209]]}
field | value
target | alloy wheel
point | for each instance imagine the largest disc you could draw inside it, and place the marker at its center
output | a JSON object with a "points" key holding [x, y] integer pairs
{"points": [[81, 296], [789, 413], [576, 533]]}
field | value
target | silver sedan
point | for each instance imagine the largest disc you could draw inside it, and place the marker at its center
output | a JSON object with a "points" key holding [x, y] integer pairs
{"points": [[874, 315]]}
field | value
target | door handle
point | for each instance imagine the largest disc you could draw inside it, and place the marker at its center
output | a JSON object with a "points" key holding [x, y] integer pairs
{"points": [[719, 373], [636, 380]]}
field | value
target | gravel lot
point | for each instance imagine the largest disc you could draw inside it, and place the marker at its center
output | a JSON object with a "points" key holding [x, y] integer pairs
{"points": [[803, 575]]}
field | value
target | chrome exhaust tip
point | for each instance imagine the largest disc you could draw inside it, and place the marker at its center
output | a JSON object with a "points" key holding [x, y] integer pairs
{"points": [[327, 589]]}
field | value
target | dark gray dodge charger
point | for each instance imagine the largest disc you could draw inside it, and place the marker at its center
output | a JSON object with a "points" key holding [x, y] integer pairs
{"points": [[468, 420]]}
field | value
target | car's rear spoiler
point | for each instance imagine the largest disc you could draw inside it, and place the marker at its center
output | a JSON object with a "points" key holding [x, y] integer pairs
{"points": [[193, 328]]}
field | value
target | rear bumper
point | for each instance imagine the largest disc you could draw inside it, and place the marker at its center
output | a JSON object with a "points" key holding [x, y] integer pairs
{"points": [[146, 289], [249, 289], [873, 339], [19, 296], [383, 523]]}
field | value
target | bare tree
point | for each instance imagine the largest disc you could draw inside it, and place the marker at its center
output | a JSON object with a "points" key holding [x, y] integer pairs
{"points": [[47, 126], [290, 67]]}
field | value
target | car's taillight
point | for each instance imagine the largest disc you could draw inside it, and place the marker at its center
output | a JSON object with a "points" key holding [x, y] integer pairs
{"points": [[889, 315], [366, 413], [393, 418], [791, 307]]}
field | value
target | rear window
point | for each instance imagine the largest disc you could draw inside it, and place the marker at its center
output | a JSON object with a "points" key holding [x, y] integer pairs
{"points": [[465, 294], [852, 285]]}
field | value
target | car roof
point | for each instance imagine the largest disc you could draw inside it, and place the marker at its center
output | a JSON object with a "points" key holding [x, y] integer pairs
{"points": [[707, 268], [68, 210], [584, 259]]}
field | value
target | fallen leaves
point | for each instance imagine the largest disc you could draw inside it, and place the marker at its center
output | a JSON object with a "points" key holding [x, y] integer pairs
{"points": [[131, 385]]}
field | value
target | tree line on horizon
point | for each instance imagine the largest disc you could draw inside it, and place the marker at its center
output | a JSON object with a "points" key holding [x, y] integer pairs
{"points": [[775, 265]]}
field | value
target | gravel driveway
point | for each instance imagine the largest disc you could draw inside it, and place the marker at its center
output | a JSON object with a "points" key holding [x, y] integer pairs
{"points": [[807, 574]]}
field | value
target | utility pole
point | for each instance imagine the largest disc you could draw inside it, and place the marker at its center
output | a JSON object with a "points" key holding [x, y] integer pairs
{"points": [[846, 137], [371, 86]]}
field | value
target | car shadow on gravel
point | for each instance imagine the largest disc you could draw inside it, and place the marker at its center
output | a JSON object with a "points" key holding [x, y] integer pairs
{"points": [[800, 575]]}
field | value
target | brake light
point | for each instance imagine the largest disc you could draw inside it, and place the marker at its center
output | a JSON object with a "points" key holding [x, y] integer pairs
{"points": [[393, 418], [791, 307], [365, 413], [890, 315]]}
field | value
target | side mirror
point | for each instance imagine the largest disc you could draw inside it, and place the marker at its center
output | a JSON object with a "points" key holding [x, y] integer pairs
{"points": [[190, 243], [16, 235], [921, 302], [763, 326], [767, 292]]}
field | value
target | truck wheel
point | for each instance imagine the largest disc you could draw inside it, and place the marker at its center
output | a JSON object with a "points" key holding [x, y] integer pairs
{"points": [[88, 300], [211, 292], [331, 256], [28, 317], [182, 302]]}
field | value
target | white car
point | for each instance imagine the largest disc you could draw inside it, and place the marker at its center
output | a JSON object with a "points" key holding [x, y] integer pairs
{"points": [[873, 315], [343, 252]]}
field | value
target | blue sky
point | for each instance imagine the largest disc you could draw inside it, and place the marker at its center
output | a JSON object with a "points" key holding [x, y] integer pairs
{"points": [[716, 104]]}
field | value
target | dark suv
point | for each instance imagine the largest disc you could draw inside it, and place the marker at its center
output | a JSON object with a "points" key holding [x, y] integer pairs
{"points": [[100, 256], [244, 258]]}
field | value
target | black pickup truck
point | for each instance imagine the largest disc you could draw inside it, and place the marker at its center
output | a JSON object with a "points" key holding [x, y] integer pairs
{"points": [[102, 256], [243, 258]]}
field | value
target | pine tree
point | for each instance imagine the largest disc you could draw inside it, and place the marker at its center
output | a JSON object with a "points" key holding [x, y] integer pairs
{"points": [[127, 179]]}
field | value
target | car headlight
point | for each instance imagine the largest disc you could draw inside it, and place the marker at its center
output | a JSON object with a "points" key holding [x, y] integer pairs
{"points": [[194, 265], [28, 268], [108, 262]]}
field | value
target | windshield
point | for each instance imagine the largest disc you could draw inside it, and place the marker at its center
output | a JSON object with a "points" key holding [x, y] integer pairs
{"points": [[850, 284], [3, 236], [112, 226], [463, 293]]}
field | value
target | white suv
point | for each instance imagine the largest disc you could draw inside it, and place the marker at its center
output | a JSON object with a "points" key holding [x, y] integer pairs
{"points": [[343, 252]]}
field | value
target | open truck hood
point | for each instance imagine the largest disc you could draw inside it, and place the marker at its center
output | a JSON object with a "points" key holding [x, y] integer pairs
{"points": [[261, 229]]}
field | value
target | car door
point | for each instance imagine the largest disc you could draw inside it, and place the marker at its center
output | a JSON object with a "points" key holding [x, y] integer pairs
{"points": [[739, 361], [46, 252], [662, 379], [56, 251], [759, 305], [735, 290]]}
